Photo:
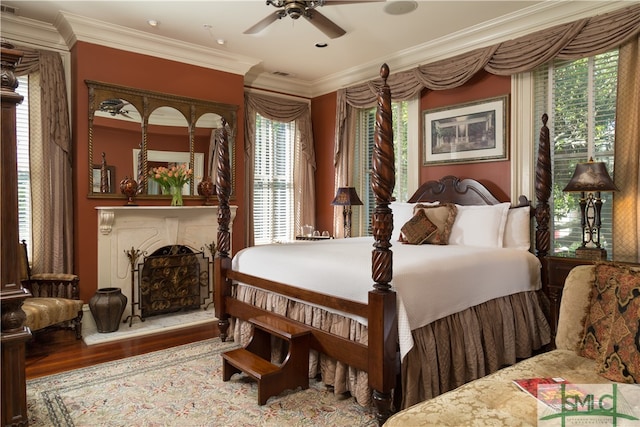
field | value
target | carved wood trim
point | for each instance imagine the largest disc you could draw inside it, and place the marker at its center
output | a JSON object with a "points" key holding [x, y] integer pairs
{"points": [[12, 294]]}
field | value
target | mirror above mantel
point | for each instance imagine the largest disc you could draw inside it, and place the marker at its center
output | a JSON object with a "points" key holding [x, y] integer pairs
{"points": [[132, 131]]}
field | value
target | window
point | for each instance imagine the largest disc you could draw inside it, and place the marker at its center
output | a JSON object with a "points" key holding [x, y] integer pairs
{"points": [[24, 187], [580, 98], [273, 214], [364, 149]]}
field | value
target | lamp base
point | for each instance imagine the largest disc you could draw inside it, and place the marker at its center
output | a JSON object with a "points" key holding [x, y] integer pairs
{"points": [[594, 254]]}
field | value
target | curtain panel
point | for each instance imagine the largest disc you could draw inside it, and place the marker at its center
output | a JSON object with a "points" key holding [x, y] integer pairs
{"points": [[282, 110], [626, 202], [50, 163]]}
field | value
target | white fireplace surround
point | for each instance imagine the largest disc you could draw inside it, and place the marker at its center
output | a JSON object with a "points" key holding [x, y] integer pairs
{"points": [[148, 228]]}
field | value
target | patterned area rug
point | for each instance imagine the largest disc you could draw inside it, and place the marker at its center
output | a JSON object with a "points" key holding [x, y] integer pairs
{"points": [[181, 386]]}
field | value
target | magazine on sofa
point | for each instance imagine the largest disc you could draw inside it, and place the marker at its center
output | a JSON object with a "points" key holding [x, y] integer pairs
{"points": [[550, 391]]}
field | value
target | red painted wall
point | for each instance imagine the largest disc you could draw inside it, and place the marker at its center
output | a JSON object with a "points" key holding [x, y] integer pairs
{"points": [[495, 175], [99, 63], [323, 117]]}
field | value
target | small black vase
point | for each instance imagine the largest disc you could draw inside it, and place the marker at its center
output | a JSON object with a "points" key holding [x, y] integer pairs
{"points": [[107, 306]]}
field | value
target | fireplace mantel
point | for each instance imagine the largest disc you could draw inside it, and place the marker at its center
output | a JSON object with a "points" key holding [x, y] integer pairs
{"points": [[147, 228], [107, 215]]}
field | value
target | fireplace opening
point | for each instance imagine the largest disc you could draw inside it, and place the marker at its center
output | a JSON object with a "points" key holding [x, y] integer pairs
{"points": [[173, 278]]}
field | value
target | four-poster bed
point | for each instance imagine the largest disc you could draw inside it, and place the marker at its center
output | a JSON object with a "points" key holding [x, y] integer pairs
{"points": [[366, 348]]}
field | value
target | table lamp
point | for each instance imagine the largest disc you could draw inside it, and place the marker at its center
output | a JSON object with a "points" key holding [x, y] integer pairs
{"points": [[346, 196], [589, 179]]}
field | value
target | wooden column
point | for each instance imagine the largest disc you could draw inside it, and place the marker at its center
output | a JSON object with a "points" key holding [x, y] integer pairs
{"points": [[12, 294]]}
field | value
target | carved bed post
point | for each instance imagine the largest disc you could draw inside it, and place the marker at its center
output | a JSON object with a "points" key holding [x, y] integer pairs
{"points": [[543, 191], [543, 216], [223, 260], [383, 332]]}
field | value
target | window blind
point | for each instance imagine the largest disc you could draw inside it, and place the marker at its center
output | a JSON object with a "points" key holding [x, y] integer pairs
{"points": [[22, 139], [273, 181], [580, 99]]}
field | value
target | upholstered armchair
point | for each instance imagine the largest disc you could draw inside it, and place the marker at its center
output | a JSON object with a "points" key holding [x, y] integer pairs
{"points": [[55, 301]]}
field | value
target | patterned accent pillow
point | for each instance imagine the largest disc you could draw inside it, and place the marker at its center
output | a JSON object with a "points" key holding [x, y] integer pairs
{"points": [[621, 358], [418, 228], [443, 217], [597, 324]]}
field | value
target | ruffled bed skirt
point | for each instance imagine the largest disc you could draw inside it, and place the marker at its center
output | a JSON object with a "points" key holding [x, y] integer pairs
{"points": [[473, 343], [447, 353]]}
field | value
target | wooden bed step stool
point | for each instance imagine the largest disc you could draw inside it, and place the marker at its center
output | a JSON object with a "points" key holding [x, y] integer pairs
{"points": [[254, 359]]}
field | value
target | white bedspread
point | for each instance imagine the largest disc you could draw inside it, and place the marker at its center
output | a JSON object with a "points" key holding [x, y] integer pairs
{"points": [[431, 281]]}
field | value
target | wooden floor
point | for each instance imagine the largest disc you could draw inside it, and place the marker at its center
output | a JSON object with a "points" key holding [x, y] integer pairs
{"points": [[59, 351]]}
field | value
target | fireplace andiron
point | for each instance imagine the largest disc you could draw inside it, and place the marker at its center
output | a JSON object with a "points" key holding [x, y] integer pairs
{"points": [[133, 255]]}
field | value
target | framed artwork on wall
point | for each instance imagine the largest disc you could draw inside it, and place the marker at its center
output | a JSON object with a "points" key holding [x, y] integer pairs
{"points": [[111, 176], [466, 133]]}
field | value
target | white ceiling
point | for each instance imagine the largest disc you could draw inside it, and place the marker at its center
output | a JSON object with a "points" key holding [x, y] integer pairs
{"points": [[189, 30]]}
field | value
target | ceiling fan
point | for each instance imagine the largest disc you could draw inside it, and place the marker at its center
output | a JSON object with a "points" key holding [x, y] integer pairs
{"points": [[308, 10]]}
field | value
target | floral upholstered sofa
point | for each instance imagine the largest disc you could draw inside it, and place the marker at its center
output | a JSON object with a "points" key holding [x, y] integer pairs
{"points": [[597, 341]]}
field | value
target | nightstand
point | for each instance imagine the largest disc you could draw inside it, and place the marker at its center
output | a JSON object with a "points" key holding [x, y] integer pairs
{"points": [[557, 269]]}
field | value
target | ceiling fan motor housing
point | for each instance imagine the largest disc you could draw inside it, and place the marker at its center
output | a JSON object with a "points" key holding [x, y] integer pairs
{"points": [[295, 9]]}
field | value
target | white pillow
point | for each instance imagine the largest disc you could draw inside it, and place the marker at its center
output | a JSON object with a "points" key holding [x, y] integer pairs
{"points": [[479, 225], [402, 212], [517, 231]]}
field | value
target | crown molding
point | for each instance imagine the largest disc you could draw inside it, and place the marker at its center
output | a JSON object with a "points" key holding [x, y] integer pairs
{"points": [[31, 32], [74, 28], [272, 83]]}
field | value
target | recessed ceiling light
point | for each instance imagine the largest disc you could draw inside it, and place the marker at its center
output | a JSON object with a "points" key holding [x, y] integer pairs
{"points": [[153, 22], [400, 7], [321, 45], [221, 41]]}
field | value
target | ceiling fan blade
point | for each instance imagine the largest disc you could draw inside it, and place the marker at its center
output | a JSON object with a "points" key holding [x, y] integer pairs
{"points": [[261, 25], [324, 24]]}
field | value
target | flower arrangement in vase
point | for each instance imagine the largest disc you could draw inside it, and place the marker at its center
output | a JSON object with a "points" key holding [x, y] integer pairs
{"points": [[172, 180]]}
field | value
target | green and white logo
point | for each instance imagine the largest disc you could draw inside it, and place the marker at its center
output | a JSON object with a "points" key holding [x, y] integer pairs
{"points": [[589, 405]]}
